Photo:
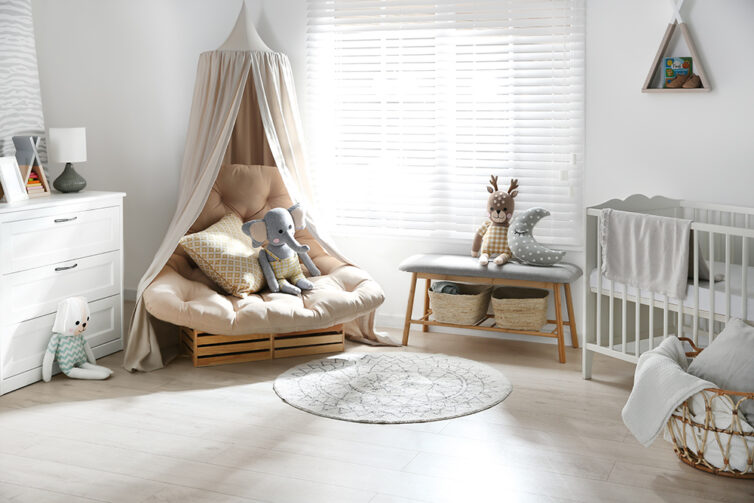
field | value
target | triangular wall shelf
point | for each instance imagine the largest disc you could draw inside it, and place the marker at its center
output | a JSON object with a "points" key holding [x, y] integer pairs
{"points": [[44, 184], [29, 162], [698, 68]]}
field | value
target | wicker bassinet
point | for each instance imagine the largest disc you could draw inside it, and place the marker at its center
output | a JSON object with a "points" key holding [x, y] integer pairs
{"points": [[706, 446]]}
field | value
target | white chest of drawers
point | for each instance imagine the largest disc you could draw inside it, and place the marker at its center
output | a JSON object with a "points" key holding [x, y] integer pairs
{"points": [[52, 248]]}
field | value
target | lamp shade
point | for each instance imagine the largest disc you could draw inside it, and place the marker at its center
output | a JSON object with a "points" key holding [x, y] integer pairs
{"points": [[67, 144]]}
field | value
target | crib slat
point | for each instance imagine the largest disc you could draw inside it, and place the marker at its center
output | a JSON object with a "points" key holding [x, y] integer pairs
{"points": [[611, 317], [651, 320], [599, 287], [711, 317], [665, 319], [637, 321], [745, 274], [695, 247], [727, 276], [680, 318], [623, 333]]}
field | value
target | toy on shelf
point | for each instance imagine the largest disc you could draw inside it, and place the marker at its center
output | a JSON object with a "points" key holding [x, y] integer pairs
{"points": [[30, 164], [68, 345], [523, 245], [275, 233], [491, 240]]}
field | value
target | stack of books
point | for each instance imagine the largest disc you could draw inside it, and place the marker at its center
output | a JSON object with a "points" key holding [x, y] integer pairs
{"points": [[34, 185]]}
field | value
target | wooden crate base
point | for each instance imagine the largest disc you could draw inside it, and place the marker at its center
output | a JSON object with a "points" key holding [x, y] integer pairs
{"points": [[310, 342], [209, 349]]}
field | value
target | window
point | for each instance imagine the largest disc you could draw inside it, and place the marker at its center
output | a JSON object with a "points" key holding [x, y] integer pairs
{"points": [[413, 104]]}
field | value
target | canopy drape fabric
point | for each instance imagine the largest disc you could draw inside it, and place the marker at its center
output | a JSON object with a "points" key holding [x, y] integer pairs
{"points": [[224, 126], [279, 112]]}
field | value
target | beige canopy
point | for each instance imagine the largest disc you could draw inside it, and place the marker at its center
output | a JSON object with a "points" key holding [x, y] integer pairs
{"points": [[244, 111]]}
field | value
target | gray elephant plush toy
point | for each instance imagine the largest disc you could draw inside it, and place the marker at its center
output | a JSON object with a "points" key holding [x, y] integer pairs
{"points": [[281, 252]]}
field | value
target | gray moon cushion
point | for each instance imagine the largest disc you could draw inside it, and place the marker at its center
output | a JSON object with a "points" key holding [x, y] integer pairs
{"points": [[522, 243]]}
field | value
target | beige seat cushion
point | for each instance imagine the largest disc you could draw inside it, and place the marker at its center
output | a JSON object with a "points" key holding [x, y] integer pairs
{"points": [[338, 297], [183, 295], [226, 255]]}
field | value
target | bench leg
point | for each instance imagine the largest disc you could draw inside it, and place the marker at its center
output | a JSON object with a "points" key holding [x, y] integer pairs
{"points": [[425, 328], [409, 308], [571, 318], [559, 323]]}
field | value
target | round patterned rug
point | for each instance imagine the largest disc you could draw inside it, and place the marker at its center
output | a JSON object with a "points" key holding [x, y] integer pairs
{"points": [[392, 387]]}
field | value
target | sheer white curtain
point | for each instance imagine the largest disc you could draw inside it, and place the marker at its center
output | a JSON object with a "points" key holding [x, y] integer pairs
{"points": [[414, 103]]}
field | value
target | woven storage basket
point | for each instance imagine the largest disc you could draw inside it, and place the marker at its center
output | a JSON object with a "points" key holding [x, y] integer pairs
{"points": [[707, 446], [469, 307], [520, 308]]}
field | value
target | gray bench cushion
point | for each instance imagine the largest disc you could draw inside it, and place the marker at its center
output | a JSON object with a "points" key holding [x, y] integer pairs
{"points": [[460, 265]]}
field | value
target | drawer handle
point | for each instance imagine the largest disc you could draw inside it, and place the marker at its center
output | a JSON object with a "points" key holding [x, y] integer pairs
{"points": [[61, 220], [65, 268]]}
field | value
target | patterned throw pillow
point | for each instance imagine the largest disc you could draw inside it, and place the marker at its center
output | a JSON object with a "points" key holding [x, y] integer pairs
{"points": [[225, 254]]}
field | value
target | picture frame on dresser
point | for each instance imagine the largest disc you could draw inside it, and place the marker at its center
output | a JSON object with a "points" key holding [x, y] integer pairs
{"points": [[81, 255], [12, 188]]}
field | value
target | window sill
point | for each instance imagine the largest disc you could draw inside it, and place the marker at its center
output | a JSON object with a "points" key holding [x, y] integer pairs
{"points": [[434, 243]]}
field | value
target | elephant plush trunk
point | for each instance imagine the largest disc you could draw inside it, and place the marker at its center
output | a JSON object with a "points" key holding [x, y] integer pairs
{"points": [[297, 247]]}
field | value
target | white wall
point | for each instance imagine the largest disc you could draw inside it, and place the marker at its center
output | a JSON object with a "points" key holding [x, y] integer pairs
{"points": [[697, 146], [125, 69]]}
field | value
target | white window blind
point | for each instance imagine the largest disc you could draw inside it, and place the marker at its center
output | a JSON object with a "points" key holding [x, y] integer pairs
{"points": [[413, 104]]}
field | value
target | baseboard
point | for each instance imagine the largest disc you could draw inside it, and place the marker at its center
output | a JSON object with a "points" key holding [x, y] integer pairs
{"points": [[129, 295], [389, 320]]}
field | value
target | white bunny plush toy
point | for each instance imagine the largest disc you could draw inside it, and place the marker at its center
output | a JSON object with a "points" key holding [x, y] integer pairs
{"points": [[68, 346]]}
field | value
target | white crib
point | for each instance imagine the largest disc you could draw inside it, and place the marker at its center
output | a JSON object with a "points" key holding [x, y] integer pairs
{"points": [[623, 321]]}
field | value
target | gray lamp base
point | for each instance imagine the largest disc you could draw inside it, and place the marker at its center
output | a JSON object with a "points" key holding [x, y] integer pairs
{"points": [[69, 180]]}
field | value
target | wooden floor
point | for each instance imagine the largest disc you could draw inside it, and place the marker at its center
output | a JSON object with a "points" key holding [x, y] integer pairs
{"points": [[221, 434]]}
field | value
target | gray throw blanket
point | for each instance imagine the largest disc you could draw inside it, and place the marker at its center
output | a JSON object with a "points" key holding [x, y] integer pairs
{"points": [[646, 251]]}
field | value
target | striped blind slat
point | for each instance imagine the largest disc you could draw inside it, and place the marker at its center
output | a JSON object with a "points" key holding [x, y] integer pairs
{"points": [[413, 104]]}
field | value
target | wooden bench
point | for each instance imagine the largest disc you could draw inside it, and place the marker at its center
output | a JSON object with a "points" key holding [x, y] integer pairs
{"points": [[466, 269]]}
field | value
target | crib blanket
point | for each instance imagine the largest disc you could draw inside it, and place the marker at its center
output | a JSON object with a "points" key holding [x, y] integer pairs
{"points": [[646, 251], [661, 384]]}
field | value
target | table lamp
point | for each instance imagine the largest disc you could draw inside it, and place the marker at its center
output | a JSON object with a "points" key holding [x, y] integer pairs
{"points": [[68, 145]]}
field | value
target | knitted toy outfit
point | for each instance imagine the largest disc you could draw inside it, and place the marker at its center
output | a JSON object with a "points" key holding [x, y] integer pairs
{"points": [[286, 270], [68, 350], [494, 239]]}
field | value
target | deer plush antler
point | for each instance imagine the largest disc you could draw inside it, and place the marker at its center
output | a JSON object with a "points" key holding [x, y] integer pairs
{"points": [[493, 182], [512, 189]]}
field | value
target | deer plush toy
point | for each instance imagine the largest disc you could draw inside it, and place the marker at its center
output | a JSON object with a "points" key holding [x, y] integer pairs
{"points": [[492, 236]]}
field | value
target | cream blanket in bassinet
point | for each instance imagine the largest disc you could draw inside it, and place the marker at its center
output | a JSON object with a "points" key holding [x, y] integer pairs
{"points": [[661, 384]]}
